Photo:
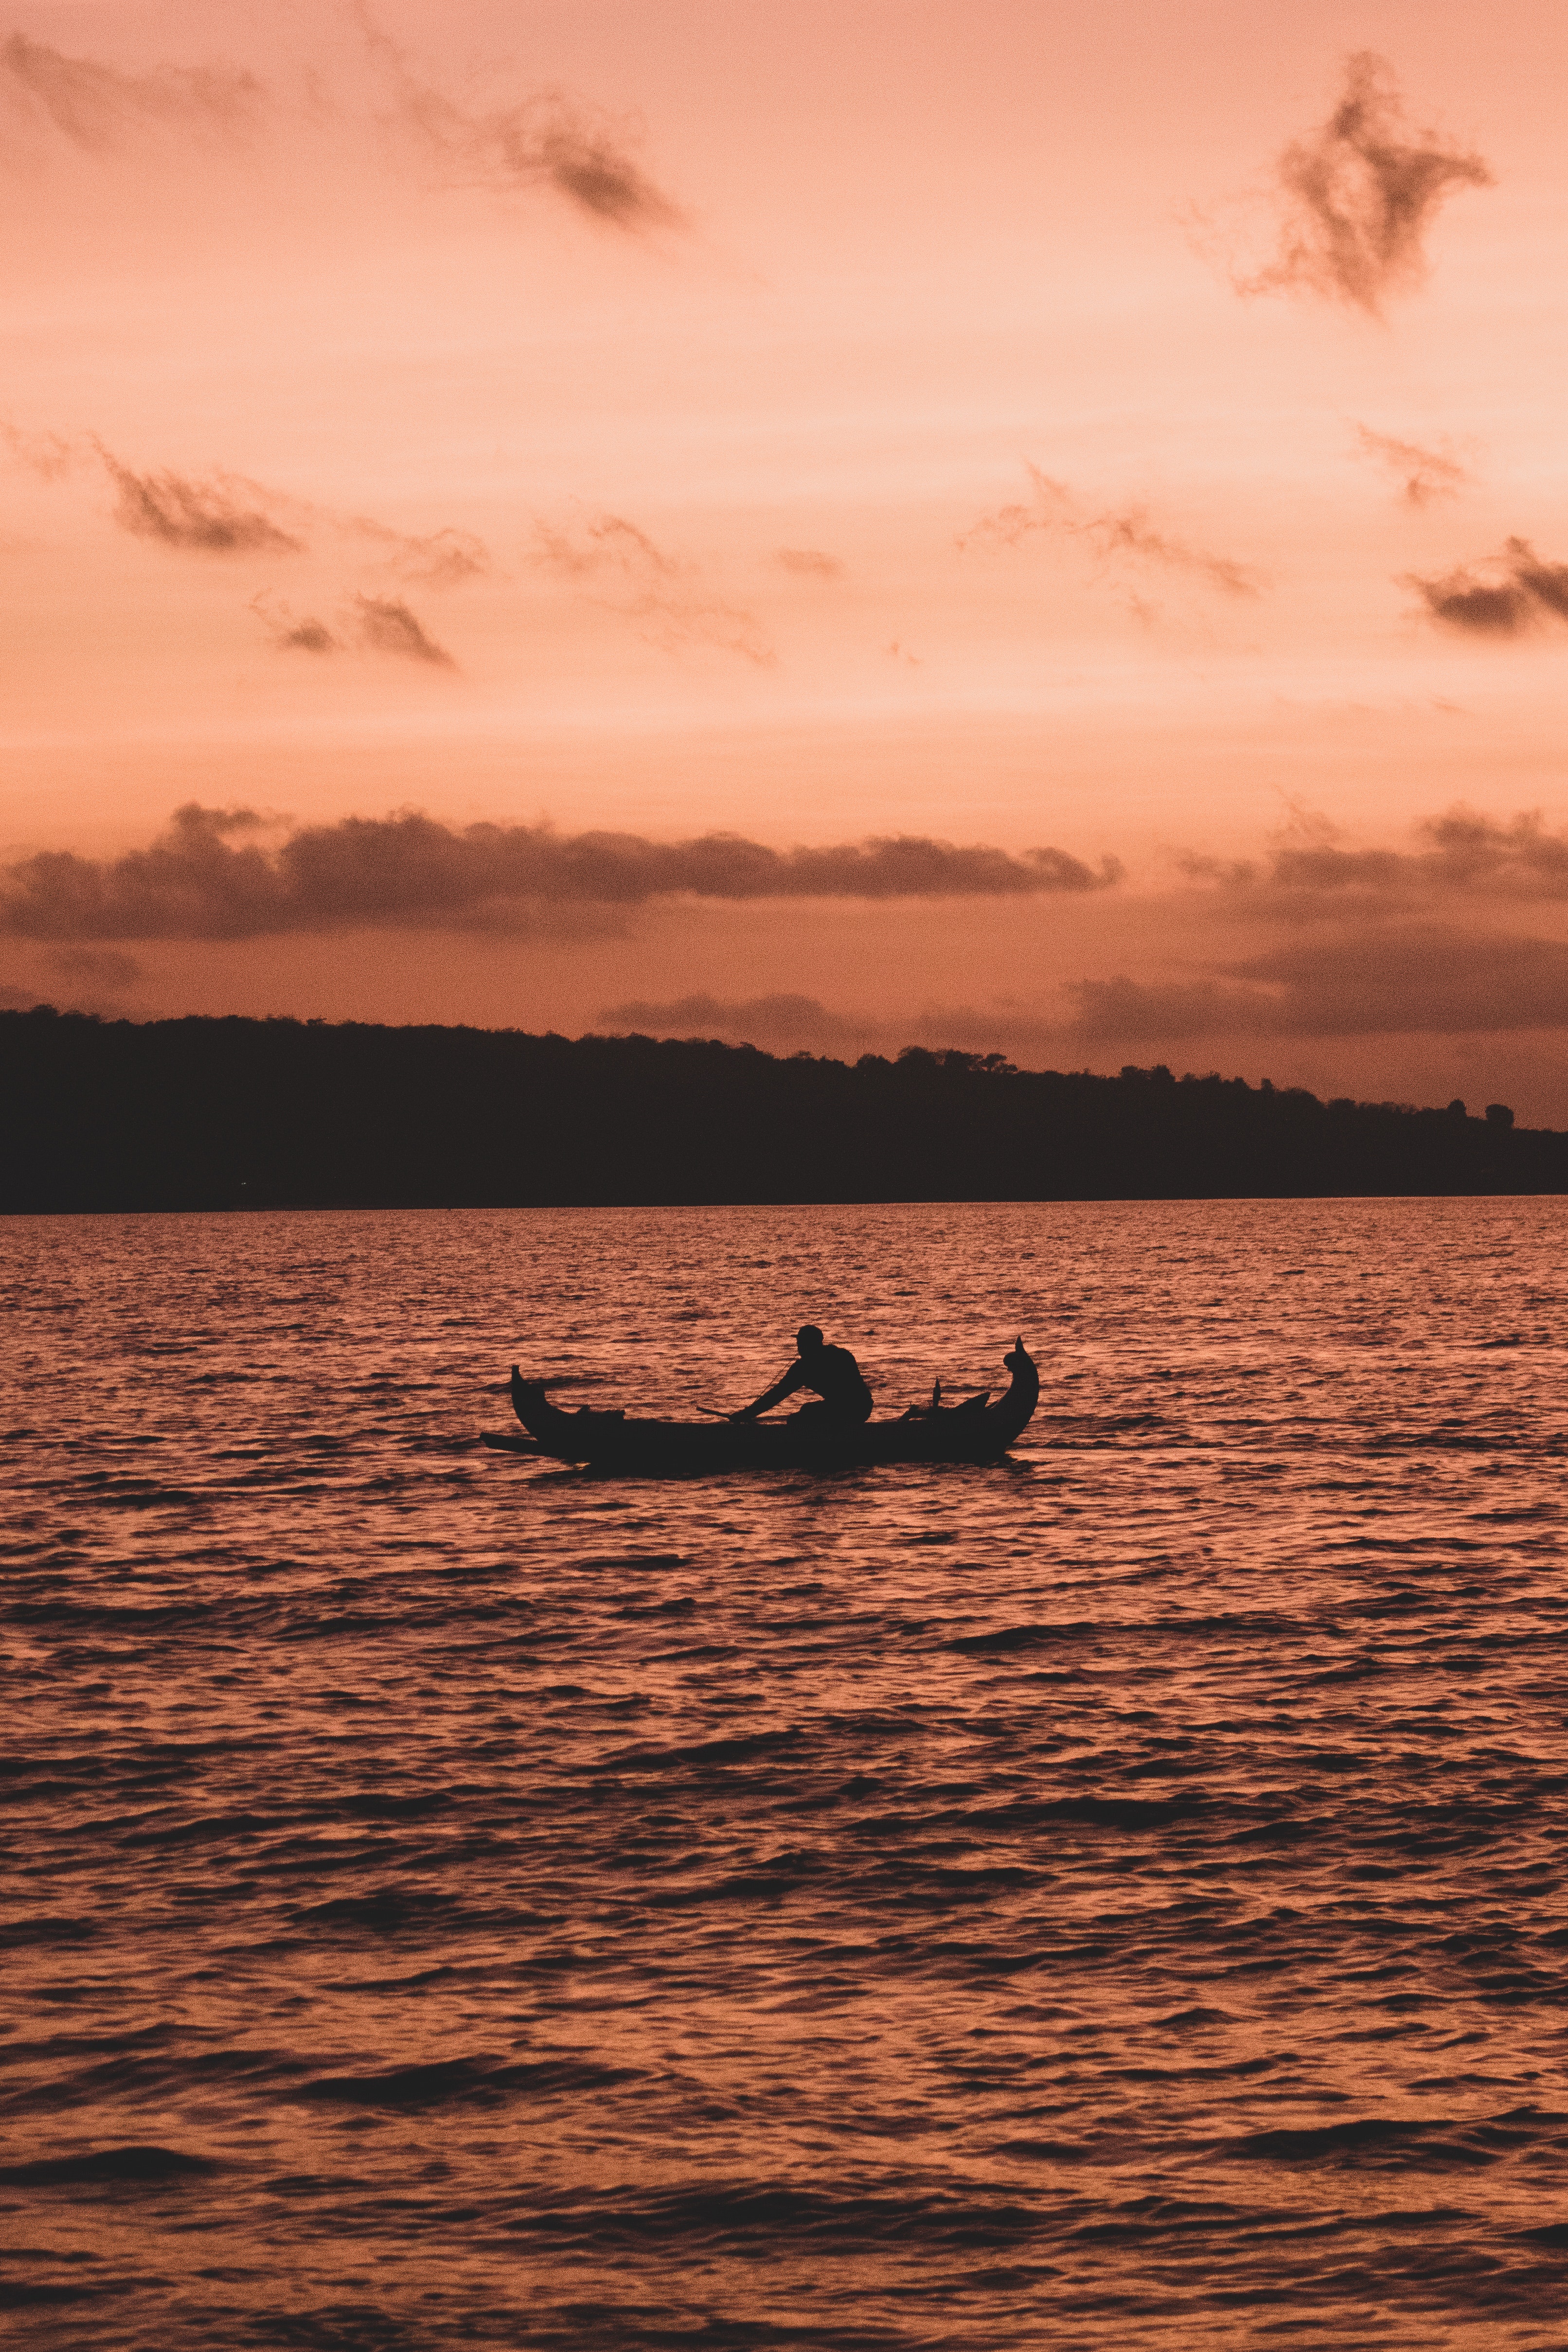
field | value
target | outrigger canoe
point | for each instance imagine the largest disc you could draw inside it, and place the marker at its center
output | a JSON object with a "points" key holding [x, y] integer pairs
{"points": [[975, 1430]]}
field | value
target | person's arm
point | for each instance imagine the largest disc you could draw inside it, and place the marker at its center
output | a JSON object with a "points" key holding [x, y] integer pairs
{"points": [[775, 1395]]}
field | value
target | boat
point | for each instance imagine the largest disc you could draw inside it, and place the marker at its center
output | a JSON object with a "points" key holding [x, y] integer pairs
{"points": [[976, 1430]]}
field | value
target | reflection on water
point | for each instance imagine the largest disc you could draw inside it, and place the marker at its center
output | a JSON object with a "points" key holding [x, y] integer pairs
{"points": [[1112, 1899]]}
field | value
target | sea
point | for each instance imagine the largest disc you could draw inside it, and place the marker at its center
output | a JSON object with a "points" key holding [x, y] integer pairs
{"points": [[1111, 1898]]}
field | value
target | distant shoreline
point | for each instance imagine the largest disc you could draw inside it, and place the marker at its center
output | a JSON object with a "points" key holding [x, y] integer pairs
{"points": [[233, 1114]]}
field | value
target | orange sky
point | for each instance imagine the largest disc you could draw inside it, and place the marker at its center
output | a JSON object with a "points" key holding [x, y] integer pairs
{"points": [[1032, 426]]}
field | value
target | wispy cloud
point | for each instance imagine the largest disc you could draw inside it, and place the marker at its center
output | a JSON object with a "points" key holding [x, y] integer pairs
{"points": [[303, 633], [658, 593], [440, 559], [548, 139], [207, 516], [96, 107], [387, 626], [50, 455], [207, 877], [1116, 535], [1356, 198], [808, 562], [1507, 595], [1424, 474]]}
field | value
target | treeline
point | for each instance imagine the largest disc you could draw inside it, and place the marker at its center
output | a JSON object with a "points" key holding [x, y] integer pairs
{"points": [[222, 1114]]}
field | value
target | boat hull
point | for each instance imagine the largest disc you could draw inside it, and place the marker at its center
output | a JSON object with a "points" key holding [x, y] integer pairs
{"points": [[977, 1431]]}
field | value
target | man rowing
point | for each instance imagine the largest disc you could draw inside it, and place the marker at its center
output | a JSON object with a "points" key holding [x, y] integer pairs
{"points": [[832, 1373]]}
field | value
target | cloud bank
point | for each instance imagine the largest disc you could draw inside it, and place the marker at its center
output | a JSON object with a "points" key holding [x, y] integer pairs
{"points": [[1358, 196], [1435, 980], [203, 879]]}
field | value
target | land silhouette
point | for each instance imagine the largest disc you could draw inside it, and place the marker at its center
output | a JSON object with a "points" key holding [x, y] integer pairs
{"points": [[207, 1113]]}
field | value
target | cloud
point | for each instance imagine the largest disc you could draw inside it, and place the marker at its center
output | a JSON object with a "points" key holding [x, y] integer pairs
{"points": [[1425, 474], [1435, 980], [383, 625], [808, 562], [554, 141], [1357, 197], [50, 455], [1506, 596], [387, 626], [205, 517], [106, 966], [96, 107], [307, 636], [1116, 536], [1463, 853], [442, 558], [548, 139], [1380, 981], [658, 592], [198, 882]]}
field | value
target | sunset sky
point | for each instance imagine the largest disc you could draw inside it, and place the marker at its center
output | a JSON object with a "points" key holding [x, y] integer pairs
{"points": [[1115, 451]]}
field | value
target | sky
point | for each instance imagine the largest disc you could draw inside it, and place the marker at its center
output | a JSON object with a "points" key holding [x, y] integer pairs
{"points": [[1036, 527]]}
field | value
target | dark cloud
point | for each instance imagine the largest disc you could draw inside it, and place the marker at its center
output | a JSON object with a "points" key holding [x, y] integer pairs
{"points": [[207, 517], [1358, 196], [809, 562], [554, 141], [660, 595], [308, 635], [294, 633], [1115, 536], [199, 881], [96, 106], [387, 626], [105, 967], [1424, 474], [548, 139], [1435, 980], [1462, 853], [1378, 982], [1507, 595]]}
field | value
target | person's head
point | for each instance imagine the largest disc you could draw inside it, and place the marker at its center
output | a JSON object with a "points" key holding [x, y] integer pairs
{"points": [[808, 1338]]}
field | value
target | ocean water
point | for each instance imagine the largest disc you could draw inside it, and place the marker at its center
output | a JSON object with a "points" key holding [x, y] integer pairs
{"points": [[1110, 1899]]}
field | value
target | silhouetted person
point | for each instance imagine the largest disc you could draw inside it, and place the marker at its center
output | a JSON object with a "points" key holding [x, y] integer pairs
{"points": [[832, 1373]]}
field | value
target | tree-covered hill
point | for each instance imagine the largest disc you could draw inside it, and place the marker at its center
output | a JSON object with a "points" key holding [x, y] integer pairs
{"points": [[206, 1114]]}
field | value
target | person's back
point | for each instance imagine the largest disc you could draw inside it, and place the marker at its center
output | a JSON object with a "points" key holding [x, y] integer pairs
{"points": [[834, 1375]]}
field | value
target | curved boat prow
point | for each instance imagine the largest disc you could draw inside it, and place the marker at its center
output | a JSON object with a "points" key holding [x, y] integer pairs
{"points": [[529, 1402], [1014, 1409]]}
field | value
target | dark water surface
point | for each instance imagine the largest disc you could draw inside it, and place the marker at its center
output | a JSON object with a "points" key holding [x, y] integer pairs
{"points": [[1112, 1899]]}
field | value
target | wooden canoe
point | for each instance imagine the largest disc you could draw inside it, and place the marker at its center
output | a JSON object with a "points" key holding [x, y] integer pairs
{"points": [[975, 1431]]}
